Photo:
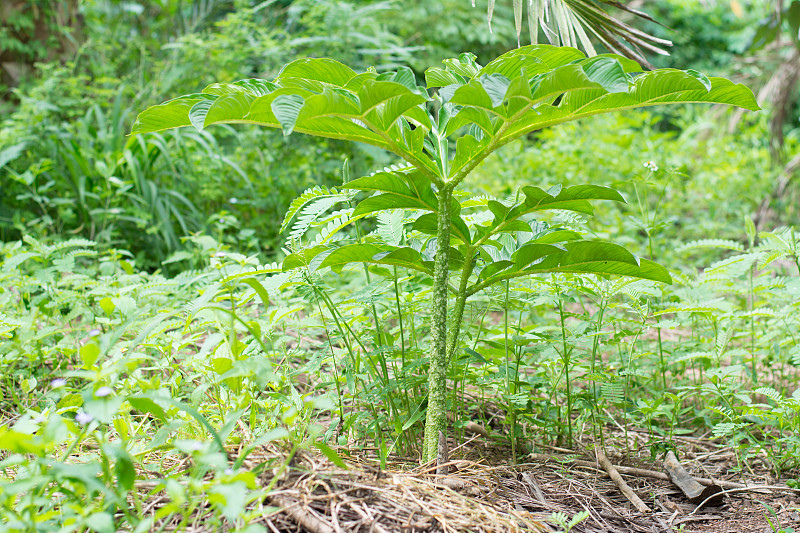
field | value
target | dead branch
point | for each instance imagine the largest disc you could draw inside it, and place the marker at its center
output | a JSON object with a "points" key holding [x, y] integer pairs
{"points": [[754, 488], [630, 471], [291, 507], [617, 479]]}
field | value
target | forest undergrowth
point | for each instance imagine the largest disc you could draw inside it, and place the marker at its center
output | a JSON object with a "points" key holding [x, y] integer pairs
{"points": [[166, 370], [116, 376]]}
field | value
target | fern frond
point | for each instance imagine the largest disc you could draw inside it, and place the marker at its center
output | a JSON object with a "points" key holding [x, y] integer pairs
{"points": [[733, 266], [722, 411], [723, 340], [271, 268], [298, 203], [779, 239], [65, 245], [311, 212], [17, 259], [769, 258], [203, 300], [481, 218], [723, 429], [770, 393], [397, 167], [82, 252], [761, 410], [330, 233], [324, 221], [757, 312], [702, 244], [390, 226], [277, 282], [613, 392]]}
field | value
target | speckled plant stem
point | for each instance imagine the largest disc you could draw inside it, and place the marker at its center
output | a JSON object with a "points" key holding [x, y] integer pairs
{"points": [[436, 417]]}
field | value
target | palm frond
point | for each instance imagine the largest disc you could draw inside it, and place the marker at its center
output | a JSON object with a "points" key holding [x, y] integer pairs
{"points": [[573, 22]]}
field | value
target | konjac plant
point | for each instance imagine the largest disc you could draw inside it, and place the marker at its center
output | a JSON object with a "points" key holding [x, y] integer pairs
{"points": [[442, 132]]}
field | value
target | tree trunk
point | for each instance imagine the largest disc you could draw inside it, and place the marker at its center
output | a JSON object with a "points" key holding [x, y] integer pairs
{"points": [[53, 21]]}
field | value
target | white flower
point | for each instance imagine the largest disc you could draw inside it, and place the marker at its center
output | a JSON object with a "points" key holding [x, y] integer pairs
{"points": [[102, 392], [83, 418], [651, 165]]}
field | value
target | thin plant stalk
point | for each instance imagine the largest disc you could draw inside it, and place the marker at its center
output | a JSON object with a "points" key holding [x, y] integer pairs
{"points": [[593, 370], [512, 412], [565, 356]]}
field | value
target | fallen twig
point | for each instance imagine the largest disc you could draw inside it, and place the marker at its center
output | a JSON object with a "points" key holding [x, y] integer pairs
{"points": [[630, 471], [754, 488], [292, 508], [617, 479]]}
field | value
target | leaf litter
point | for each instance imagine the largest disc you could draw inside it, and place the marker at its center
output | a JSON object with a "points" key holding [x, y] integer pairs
{"points": [[483, 492]]}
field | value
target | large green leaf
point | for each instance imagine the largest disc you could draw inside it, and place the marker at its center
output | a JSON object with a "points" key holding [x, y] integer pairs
{"points": [[171, 114], [381, 255], [286, 107], [402, 188], [601, 258], [521, 91], [427, 224], [534, 59], [467, 148], [323, 70], [374, 93], [574, 198], [252, 87], [318, 97], [531, 252], [385, 201], [653, 88], [303, 258], [588, 257]]}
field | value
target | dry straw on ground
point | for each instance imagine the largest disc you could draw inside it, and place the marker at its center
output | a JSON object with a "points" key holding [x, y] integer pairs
{"points": [[314, 496]]}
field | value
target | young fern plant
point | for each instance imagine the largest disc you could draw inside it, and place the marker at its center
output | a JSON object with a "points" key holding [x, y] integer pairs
{"points": [[443, 132]]}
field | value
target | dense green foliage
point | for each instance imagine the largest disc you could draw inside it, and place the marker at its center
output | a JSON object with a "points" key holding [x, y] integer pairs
{"points": [[478, 109], [149, 321]]}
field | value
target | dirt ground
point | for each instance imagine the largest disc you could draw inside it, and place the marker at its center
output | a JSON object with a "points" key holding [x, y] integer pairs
{"points": [[482, 493]]}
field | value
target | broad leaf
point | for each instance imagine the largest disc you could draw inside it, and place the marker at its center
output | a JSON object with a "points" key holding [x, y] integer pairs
{"points": [[380, 255], [303, 258], [521, 91], [653, 88], [589, 257], [427, 224], [286, 107], [324, 70]]}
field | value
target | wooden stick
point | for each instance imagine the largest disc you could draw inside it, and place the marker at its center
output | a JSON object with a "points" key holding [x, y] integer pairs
{"points": [[745, 489], [291, 507], [617, 479], [630, 471]]}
